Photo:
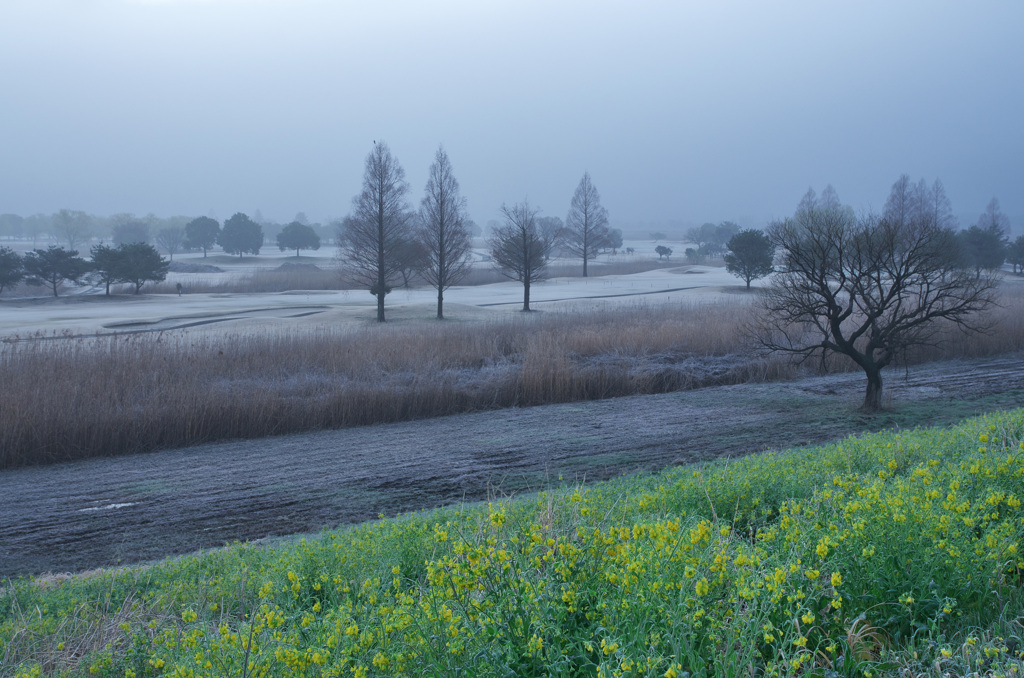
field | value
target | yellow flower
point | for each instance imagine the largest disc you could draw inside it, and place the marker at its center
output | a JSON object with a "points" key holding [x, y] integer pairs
{"points": [[837, 579]]}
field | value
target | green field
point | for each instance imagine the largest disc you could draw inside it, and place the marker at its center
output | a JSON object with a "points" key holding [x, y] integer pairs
{"points": [[887, 554]]}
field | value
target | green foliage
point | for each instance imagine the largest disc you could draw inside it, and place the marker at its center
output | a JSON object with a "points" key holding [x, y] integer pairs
{"points": [[241, 235], [983, 248], [12, 270], [863, 557], [297, 236], [750, 256], [11, 225], [54, 266], [711, 238], [1015, 254], [136, 263], [614, 239], [141, 263], [106, 262], [128, 229], [201, 233]]}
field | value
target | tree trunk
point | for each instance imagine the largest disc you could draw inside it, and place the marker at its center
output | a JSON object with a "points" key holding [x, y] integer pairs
{"points": [[526, 295], [380, 306], [440, 303], [584, 264], [873, 394]]}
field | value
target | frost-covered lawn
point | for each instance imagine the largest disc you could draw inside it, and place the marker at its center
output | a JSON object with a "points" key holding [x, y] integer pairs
{"points": [[78, 313]]}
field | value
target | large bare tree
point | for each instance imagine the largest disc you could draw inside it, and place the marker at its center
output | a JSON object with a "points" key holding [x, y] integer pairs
{"points": [[519, 248], [170, 240], [378, 226], [867, 288], [586, 225], [443, 229], [73, 227]]}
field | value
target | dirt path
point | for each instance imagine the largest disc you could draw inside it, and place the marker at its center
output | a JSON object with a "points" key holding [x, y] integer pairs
{"points": [[122, 510]]}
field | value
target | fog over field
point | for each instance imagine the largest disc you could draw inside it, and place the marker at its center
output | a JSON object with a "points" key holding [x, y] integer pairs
{"points": [[681, 112]]}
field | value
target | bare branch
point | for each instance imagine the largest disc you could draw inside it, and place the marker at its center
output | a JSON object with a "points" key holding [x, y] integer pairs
{"points": [[519, 248], [443, 230], [587, 222], [869, 288], [379, 225]]}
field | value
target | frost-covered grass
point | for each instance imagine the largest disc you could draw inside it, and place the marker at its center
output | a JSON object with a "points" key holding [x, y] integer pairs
{"points": [[888, 554], [78, 398], [329, 275], [113, 395]]}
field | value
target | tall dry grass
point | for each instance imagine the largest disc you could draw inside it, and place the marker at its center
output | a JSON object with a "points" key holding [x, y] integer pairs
{"points": [[68, 399]]}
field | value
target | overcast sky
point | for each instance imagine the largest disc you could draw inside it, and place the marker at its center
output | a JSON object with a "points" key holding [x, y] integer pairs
{"points": [[682, 111]]}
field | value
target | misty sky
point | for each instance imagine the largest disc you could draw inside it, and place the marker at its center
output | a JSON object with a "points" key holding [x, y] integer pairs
{"points": [[682, 111]]}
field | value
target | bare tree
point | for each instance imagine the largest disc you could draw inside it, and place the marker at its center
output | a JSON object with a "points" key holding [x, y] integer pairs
{"points": [[411, 257], [933, 205], [170, 240], [444, 229], [518, 247], [903, 202], [379, 225], [587, 222], [984, 244], [994, 218], [72, 227], [866, 288], [126, 228]]}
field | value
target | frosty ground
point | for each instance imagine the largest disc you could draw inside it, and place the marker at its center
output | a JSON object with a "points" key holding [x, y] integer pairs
{"points": [[80, 314], [106, 512]]}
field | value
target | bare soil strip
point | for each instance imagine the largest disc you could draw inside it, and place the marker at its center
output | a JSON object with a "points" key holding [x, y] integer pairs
{"points": [[105, 512]]}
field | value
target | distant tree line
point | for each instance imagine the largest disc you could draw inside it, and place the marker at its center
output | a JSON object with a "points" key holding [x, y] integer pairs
{"points": [[134, 263], [983, 246], [73, 230], [385, 243], [711, 240]]}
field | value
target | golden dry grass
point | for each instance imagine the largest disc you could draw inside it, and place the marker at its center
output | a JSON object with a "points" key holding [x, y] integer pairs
{"points": [[72, 399]]}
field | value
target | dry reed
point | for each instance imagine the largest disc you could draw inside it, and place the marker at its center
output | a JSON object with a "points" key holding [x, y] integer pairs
{"points": [[70, 399]]}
